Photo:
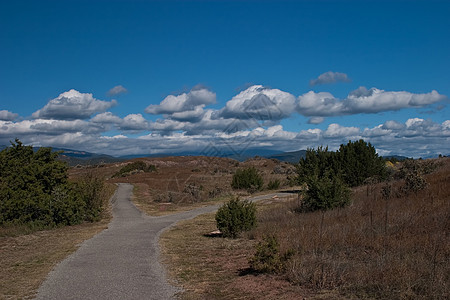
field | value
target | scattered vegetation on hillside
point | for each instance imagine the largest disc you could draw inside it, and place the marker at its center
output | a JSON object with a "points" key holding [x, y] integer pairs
{"points": [[387, 245], [35, 190], [135, 167]]}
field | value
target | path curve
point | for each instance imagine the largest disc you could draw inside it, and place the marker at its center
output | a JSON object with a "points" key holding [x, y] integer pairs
{"points": [[121, 262]]}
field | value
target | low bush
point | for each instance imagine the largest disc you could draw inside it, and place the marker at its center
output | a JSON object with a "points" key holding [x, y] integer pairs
{"points": [[324, 193], [236, 216], [248, 179], [267, 258], [273, 184]]}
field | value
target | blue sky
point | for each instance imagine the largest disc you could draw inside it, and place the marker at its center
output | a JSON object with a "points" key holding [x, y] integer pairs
{"points": [[135, 77]]}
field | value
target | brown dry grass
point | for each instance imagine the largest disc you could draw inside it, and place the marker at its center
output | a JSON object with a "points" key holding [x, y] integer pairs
{"points": [[186, 182], [378, 248], [215, 268], [26, 258]]}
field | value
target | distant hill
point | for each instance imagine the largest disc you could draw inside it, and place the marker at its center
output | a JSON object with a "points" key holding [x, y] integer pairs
{"points": [[292, 157], [77, 157]]}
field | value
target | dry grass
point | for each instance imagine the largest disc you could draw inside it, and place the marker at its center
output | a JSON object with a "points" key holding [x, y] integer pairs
{"points": [[216, 268], [26, 258], [378, 248], [394, 248], [185, 182]]}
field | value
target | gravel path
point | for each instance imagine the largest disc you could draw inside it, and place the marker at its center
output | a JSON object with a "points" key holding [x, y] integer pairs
{"points": [[121, 262]]}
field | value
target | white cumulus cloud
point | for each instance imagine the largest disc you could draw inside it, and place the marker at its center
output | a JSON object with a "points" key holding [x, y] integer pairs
{"points": [[184, 102], [7, 115], [73, 105], [362, 100], [260, 103]]}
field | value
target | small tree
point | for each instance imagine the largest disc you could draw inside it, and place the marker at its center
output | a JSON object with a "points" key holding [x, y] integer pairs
{"points": [[236, 216], [359, 161], [248, 179], [325, 192]]}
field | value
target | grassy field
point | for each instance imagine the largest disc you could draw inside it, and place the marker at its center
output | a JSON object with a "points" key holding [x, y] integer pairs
{"points": [[384, 246]]}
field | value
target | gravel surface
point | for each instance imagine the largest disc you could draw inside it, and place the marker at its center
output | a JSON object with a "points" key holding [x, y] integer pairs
{"points": [[121, 262]]}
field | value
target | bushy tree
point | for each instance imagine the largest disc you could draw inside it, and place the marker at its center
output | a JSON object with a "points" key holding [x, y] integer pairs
{"points": [[248, 178], [325, 192], [359, 161], [34, 189], [316, 163], [236, 216], [327, 174]]}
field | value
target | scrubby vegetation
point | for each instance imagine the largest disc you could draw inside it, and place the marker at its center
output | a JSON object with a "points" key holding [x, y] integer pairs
{"points": [[388, 245], [248, 179], [273, 184], [267, 258], [392, 242], [327, 175], [236, 216], [35, 190], [135, 167]]}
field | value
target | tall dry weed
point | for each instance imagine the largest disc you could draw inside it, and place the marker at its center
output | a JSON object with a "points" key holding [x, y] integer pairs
{"points": [[386, 245]]}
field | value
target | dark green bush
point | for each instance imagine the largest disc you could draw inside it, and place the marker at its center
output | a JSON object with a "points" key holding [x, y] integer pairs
{"points": [[324, 193], [35, 191], [90, 189], [248, 179], [327, 174], [273, 184], [267, 258], [236, 216], [359, 161]]}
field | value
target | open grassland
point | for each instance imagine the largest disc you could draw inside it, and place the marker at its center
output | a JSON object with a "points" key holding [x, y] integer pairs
{"points": [[26, 257], [182, 183], [386, 245]]}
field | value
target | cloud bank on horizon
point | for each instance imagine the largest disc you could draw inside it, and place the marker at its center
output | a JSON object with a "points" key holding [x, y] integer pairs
{"points": [[251, 119]]}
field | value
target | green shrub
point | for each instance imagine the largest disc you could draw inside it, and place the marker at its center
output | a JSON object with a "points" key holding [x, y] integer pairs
{"points": [[236, 216], [324, 193], [359, 161], [354, 162], [273, 184], [267, 258], [35, 191], [90, 189], [248, 179]]}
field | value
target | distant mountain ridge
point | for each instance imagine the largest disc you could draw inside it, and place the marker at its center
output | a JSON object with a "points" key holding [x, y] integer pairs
{"points": [[79, 157]]}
